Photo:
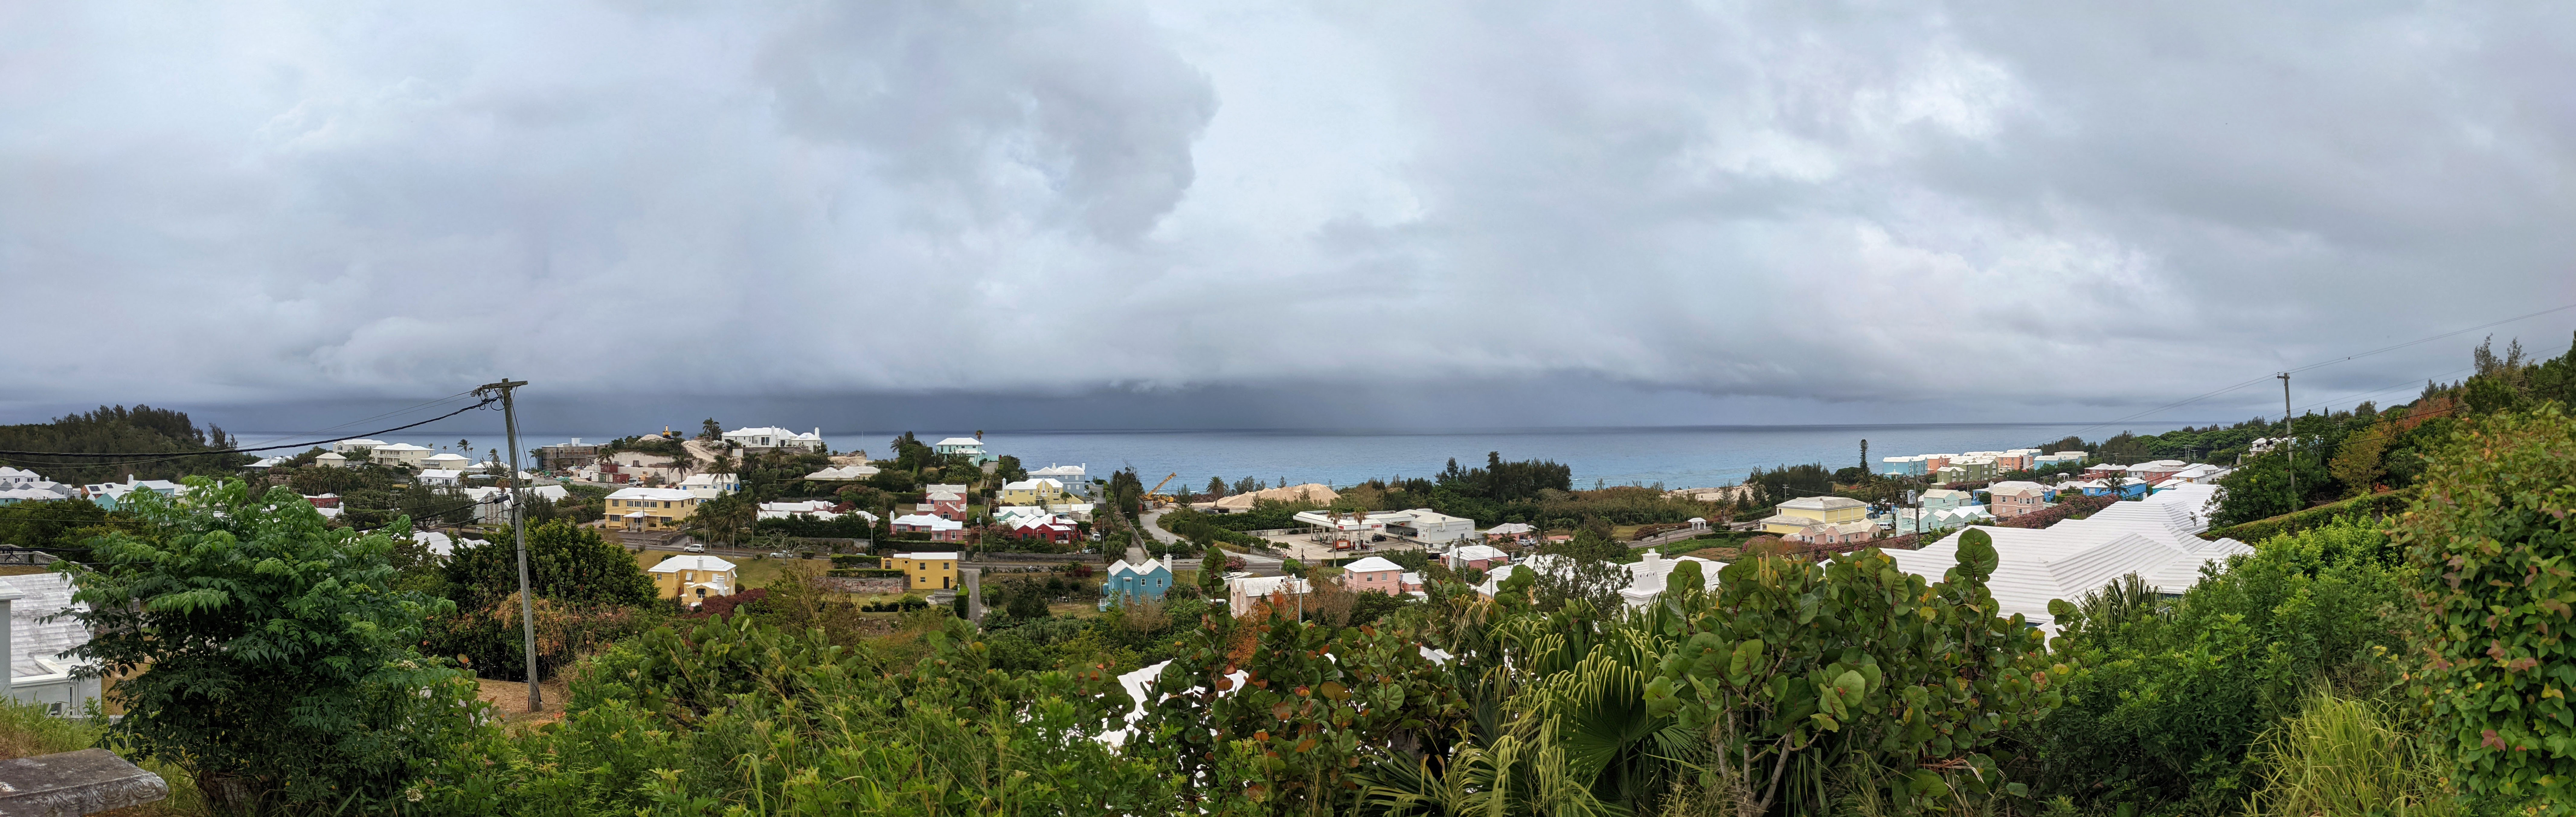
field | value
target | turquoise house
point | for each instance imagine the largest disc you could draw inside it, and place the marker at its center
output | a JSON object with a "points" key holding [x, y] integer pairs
{"points": [[1143, 581]]}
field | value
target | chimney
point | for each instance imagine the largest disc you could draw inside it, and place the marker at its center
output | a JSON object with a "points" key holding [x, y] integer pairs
{"points": [[1652, 560]]}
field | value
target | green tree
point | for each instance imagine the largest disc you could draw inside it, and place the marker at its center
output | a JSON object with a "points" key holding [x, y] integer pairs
{"points": [[1212, 572], [1804, 667], [2489, 546], [565, 563], [711, 431], [724, 519], [263, 652]]}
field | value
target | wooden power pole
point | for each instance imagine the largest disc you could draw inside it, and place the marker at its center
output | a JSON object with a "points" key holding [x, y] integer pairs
{"points": [[519, 529]]}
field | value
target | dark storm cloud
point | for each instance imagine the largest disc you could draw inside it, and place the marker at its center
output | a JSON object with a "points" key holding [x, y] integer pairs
{"points": [[1318, 210]]}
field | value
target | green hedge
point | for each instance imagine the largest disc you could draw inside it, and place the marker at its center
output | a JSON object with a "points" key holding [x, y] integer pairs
{"points": [[2387, 504]]}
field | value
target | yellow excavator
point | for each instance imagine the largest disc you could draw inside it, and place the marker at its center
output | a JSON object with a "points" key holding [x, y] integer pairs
{"points": [[1157, 495]]}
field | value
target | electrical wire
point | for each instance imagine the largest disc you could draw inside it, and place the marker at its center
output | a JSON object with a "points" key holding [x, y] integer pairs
{"points": [[2321, 364], [11, 455]]}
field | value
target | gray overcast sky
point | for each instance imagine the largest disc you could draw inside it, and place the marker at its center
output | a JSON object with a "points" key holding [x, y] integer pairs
{"points": [[1184, 213]]}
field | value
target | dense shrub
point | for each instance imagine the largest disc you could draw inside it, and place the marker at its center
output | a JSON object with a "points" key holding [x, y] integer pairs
{"points": [[2489, 546], [2385, 505], [2175, 692]]}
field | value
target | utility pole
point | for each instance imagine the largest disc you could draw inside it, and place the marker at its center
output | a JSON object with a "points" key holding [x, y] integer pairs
{"points": [[2290, 440], [519, 528]]}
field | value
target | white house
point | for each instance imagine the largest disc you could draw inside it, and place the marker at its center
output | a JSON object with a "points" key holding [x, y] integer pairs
{"points": [[39, 672], [331, 459], [108, 494], [715, 483], [440, 477], [442, 545], [1073, 477], [492, 503], [446, 461], [843, 473], [969, 446], [1245, 594], [2156, 538], [766, 438], [397, 454], [355, 446], [18, 477]]}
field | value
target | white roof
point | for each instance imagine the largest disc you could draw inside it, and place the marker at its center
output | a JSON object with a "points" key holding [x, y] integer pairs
{"points": [[651, 493], [959, 441], [30, 636], [1470, 553], [1258, 586], [1058, 471], [1508, 528], [1033, 484], [2155, 538], [1822, 503], [844, 472], [1373, 564], [2016, 486], [690, 562], [1147, 566], [443, 456], [927, 521], [329, 455], [440, 543], [402, 447], [439, 473], [1646, 577], [940, 556]]}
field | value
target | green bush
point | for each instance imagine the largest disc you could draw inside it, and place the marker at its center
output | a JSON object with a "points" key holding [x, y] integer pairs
{"points": [[2346, 756], [2372, 506], [260, 650], [740, 717], [2175, 692], [2491, 548]]}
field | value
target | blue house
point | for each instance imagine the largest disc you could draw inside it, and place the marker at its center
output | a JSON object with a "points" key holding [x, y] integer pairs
{"points": [[2134, 489], [107, 495], [1143, 581]]}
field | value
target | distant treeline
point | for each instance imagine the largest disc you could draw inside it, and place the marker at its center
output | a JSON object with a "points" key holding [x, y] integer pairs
{"points": [[120, 430]]}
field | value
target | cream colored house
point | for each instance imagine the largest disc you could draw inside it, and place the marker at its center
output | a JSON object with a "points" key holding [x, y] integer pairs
{"points": [[1799, 514], [693, 578], [651, 508], [1039, 491], [397, 454]]}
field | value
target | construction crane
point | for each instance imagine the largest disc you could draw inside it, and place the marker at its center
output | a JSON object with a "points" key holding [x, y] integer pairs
{"points": [[1157, 495]]}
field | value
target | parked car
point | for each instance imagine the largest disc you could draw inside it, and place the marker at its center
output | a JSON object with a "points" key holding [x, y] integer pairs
{"points": [[695, 548], [781, 554]]}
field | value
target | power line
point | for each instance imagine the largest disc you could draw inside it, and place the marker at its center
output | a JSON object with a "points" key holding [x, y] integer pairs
{"points": [[403, 410], [178, 455], [2320, 364]]}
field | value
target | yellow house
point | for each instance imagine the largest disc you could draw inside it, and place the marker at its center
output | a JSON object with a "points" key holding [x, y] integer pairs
{"points": [[1808, 511], [693, 579], [926, 571], [1041, 491], [650, 508]]}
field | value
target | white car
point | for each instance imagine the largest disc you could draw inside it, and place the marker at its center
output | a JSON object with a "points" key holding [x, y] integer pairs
{"points": [[695, 548]]}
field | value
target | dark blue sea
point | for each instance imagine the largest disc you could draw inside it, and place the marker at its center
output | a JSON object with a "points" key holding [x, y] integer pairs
{"points": [[1676, 457]]}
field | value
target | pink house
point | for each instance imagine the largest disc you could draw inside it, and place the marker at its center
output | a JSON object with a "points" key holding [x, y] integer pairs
{"points": [[2015, 498], [1480, 557], [940, 530], [1374, 575]]}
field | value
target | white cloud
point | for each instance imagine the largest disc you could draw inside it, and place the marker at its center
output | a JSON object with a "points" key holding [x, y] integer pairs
{"points": [[1968, 207]]}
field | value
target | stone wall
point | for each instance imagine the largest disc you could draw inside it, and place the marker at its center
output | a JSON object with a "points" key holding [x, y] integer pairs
{"points": [[864, 587]]}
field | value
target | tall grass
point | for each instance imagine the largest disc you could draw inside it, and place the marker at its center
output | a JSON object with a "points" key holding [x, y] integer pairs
{"points": [[2346, 756]]}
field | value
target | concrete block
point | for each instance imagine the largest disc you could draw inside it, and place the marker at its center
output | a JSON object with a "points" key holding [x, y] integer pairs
{"points": [[88, 781]]}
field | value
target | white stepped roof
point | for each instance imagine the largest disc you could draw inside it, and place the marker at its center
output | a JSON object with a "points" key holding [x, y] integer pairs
{"points": [[690, 562], [1372, 564]]}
